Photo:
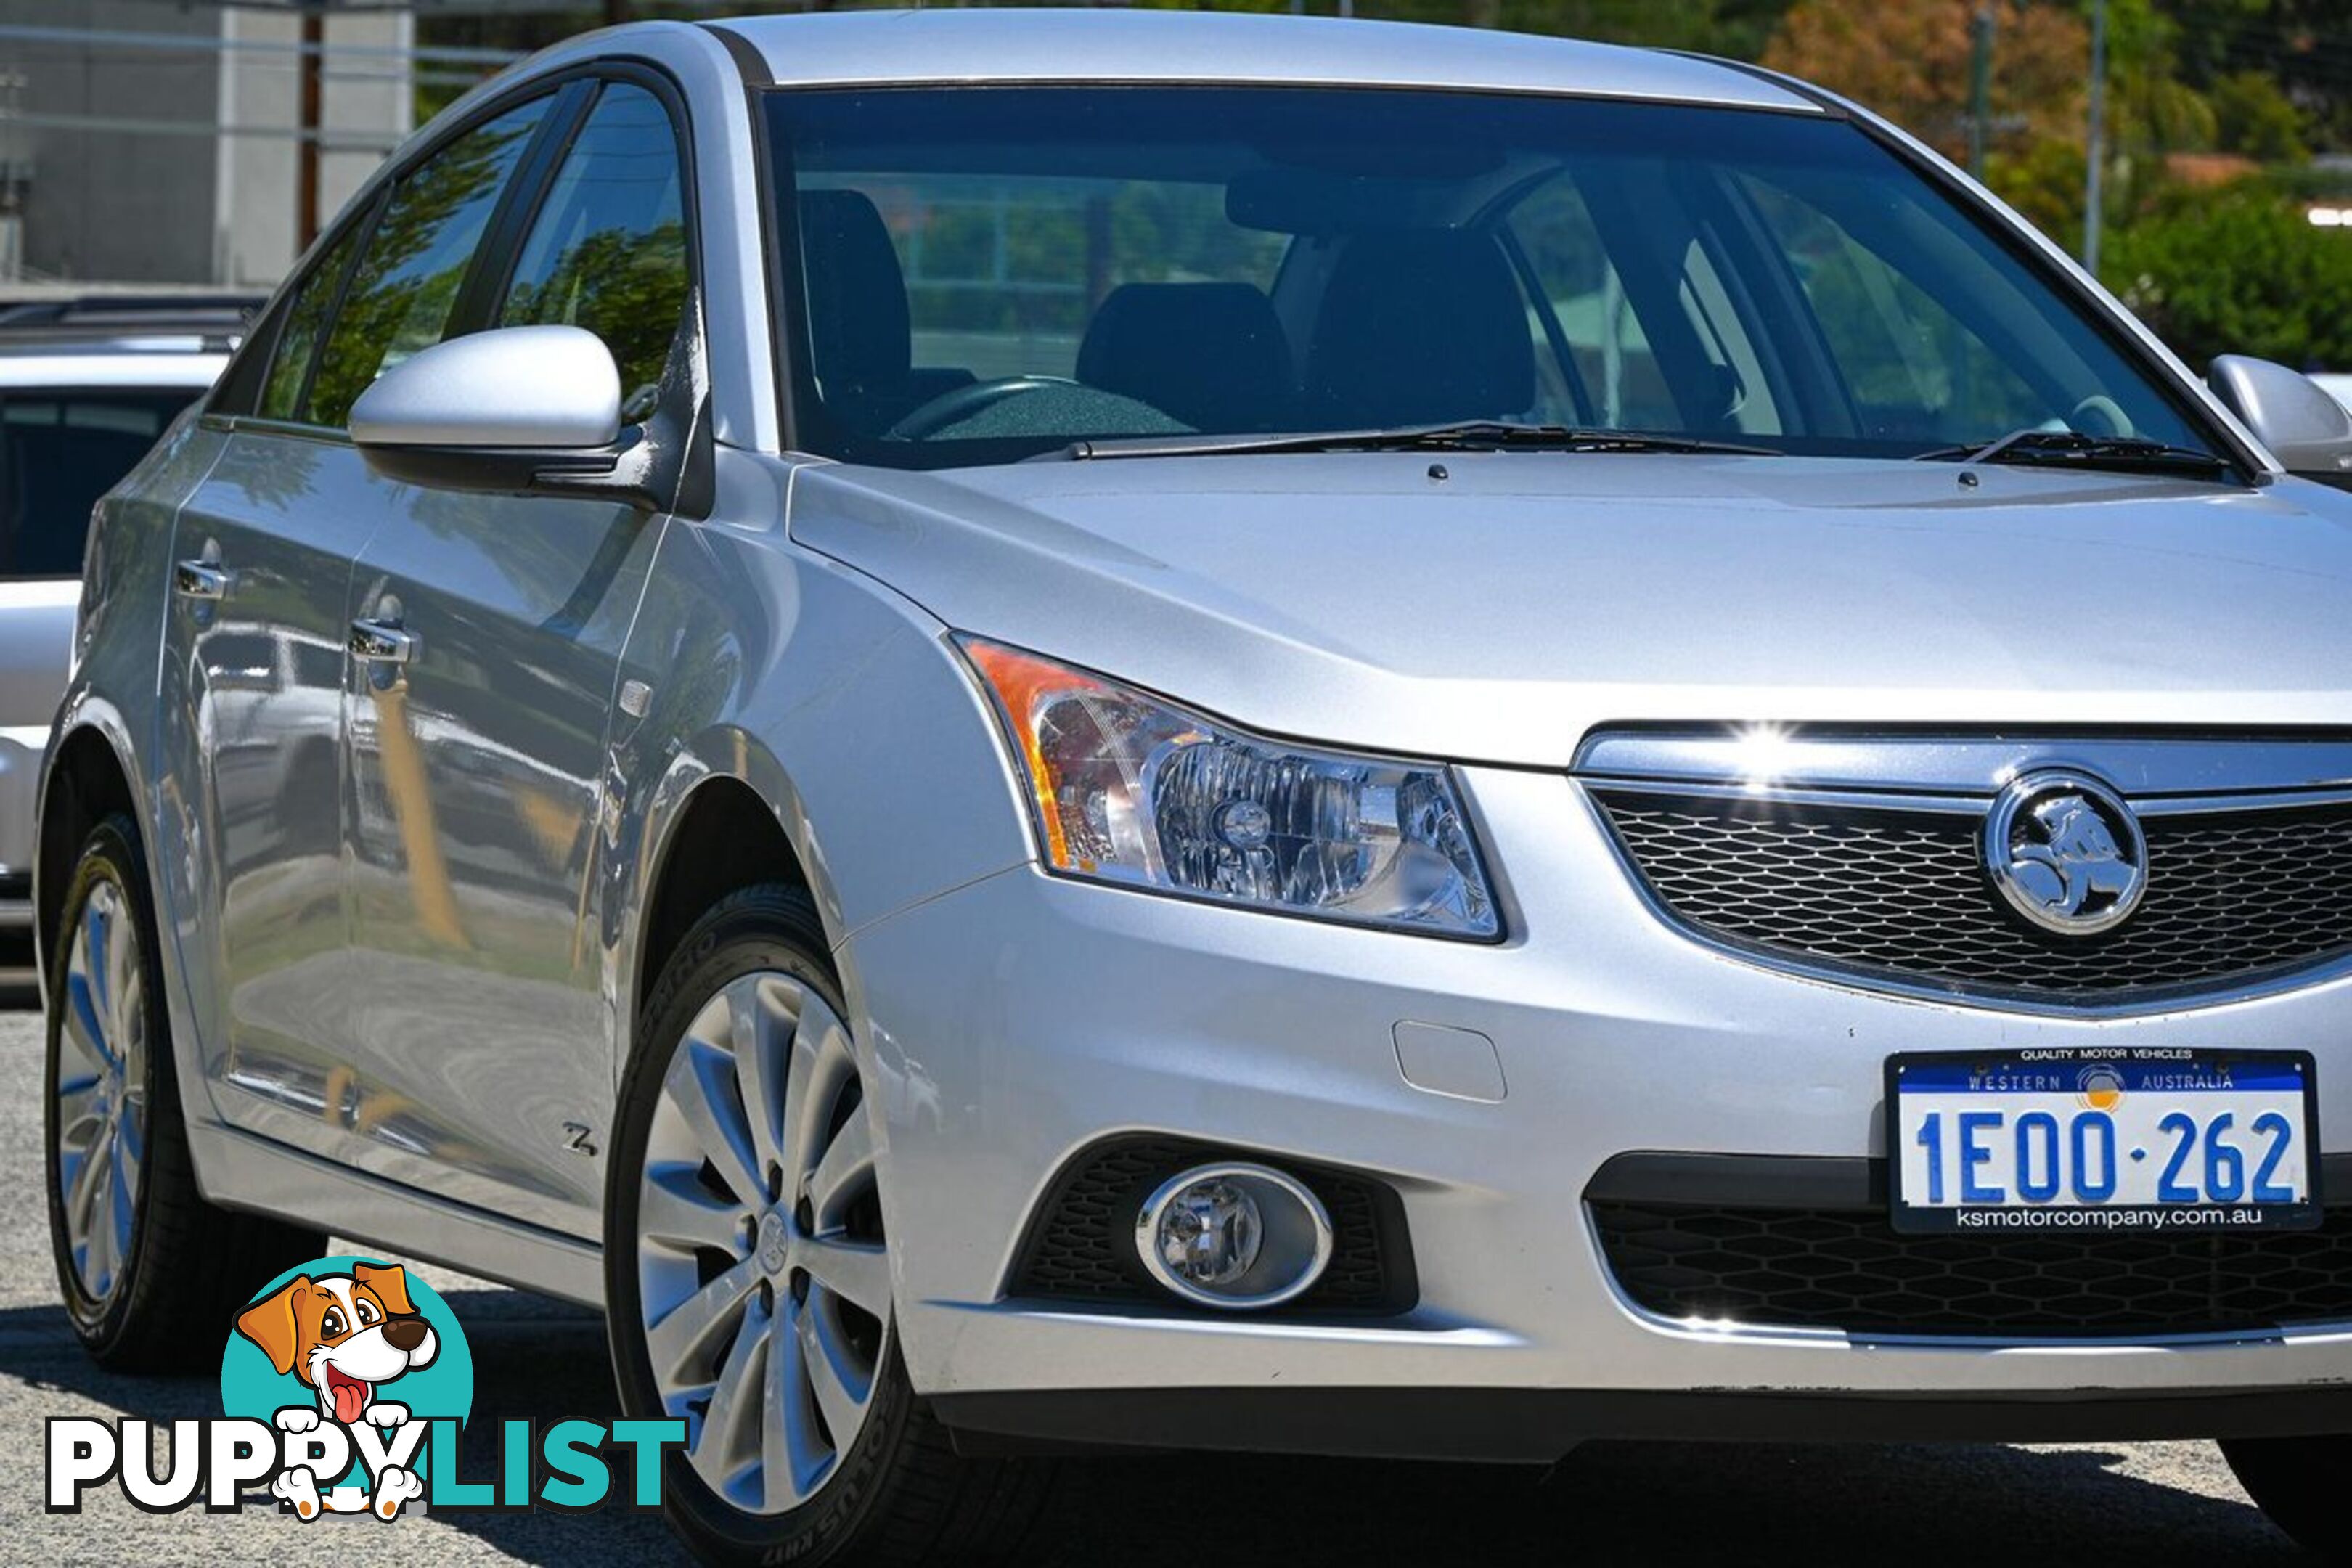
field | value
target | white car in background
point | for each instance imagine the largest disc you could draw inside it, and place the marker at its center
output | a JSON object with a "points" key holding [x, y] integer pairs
{"points": [[79, 403]]}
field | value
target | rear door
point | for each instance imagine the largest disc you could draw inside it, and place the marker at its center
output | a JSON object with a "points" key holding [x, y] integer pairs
{"points": [[476, 762], [254, 686]]}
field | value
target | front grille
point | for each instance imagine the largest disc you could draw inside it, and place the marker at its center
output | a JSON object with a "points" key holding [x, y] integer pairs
{"points": [[1848, 1269], [1905, 893], [1082, 1245]]}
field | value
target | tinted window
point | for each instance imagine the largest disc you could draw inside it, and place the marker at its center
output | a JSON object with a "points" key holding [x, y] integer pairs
{"points": [[406, 283], [608, 251], [58, 455], [290, 362], [992, 273]]}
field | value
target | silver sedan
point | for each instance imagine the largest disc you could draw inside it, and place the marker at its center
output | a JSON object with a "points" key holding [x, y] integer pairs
{"points": [[1059, 731]]}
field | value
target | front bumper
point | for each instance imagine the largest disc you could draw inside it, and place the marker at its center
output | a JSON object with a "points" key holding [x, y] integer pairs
{"points": [[1015, 1021]]}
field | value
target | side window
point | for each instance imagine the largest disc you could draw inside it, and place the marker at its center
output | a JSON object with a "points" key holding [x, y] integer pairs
{"points": [[406, 283], [1913, 370], [290, 362], [1612, 352], [608, 250], [59, 453]]}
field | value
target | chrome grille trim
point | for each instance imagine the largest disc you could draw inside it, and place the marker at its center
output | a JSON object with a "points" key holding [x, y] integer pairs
{"points": [[1913, 919], [1791, 758]]}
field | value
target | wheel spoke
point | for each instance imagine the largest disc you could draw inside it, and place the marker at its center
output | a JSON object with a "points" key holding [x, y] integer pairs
{"points": [[841, 1388], [762, 1031], [81, 1197], [821, 1060], [675, 1209], [717, 1446], [81, 1024], [788, 1457], [845, 1170], [682, 1339], [81, 1111], [93, 1182], [698, 1086], [857, 1271], [96, 962], [118, 955]]}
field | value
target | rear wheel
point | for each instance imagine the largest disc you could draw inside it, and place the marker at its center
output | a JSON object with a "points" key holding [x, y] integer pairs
{"points": [[748, 1278], [140, 1254], [2299, 1482]]}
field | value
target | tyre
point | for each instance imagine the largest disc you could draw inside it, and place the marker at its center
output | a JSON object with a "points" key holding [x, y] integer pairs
{"points": [[2299, 1482], [141, 1256], [748, 1277]]}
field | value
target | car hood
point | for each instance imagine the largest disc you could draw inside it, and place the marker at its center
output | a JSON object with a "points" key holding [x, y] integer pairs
{"points": [[1500, 607]]}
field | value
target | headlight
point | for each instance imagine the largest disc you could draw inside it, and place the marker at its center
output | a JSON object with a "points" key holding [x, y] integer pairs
{"points": [[1129, 789]]}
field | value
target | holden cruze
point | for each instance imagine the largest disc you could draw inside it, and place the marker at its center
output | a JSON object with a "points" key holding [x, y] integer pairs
{"points": [[1071, 730]]}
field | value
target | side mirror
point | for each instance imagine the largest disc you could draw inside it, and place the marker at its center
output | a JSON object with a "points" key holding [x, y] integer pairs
{"points": [[2305, 429], [519, 410]]}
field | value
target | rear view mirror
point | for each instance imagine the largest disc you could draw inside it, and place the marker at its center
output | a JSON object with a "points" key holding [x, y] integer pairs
{"points": [[2306, 429], [519, 410]]}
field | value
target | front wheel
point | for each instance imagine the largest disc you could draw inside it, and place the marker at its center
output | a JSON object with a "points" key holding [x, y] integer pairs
{"points": [[748, 1278], [2299, 1482]]}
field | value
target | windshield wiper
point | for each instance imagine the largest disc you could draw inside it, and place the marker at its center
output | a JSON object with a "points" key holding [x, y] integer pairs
{"points": [[2071, 448], [1466, 436]]}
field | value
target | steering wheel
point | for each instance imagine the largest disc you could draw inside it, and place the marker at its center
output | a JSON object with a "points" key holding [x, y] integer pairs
{"points": [[952, 408], [2099, 415]]}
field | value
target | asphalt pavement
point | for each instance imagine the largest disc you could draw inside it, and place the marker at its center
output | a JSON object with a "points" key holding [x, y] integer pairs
{"points": [[2171, 1505]]}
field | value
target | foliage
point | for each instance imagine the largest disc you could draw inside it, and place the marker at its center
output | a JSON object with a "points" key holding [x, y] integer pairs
{"points": [[2243, 272], [2253, 117]]}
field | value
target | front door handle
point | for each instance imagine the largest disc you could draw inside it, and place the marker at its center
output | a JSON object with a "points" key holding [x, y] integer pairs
{"points": [[204, 580], [383, 642]]}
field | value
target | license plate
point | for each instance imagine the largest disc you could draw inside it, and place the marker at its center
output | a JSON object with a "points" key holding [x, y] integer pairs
{"points": [[2074, 1140]]}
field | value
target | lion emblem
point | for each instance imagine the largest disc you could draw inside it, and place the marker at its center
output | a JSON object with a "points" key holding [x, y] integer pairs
{"points": [[2078, 859]]}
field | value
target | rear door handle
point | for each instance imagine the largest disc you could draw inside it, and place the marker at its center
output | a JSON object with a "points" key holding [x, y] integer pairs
{"points": [[200, 580], [383, 642]]}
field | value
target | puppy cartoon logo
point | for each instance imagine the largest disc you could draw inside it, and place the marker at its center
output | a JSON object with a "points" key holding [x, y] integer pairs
{"points": [[343, 1340]]}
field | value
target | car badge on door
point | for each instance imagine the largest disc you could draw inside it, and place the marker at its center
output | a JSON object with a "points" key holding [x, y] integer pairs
{"points": [[2066, 851]]}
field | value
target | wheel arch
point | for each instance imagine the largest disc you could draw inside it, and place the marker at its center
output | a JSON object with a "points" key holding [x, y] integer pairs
{"points": [[86, 776], [725, 816]]}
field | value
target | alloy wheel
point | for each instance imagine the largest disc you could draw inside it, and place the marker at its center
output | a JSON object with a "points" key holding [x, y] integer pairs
{"points": [[763, 1277], [102, 1089]]}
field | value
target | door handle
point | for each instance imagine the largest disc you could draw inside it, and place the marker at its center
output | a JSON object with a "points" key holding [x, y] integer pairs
{"points": [[383, 642], [203, 580]]}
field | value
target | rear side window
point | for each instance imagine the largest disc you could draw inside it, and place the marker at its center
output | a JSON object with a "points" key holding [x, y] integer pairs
{"points": [[60, 452], [405, 290], [608, 251]]}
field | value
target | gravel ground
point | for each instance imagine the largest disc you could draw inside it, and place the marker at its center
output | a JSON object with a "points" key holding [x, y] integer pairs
{"points": [[1610, 1505]]}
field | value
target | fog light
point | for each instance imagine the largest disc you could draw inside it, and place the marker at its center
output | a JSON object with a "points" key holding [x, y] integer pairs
{"points": [[1237, 1237]]}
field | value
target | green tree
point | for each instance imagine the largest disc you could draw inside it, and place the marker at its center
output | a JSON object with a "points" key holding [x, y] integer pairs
{"points": [[2240, 272], [2252, 117]]}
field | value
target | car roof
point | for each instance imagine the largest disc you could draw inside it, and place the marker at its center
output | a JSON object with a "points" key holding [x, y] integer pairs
{"points": [[840, 48]]}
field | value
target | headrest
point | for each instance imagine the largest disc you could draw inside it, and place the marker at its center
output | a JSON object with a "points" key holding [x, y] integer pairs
{"points": [[861, 336], [1210, 354], [1421, 326]]}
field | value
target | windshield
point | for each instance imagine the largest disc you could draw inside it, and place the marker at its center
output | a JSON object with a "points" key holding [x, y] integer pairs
{"points": [[991, 273]]}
